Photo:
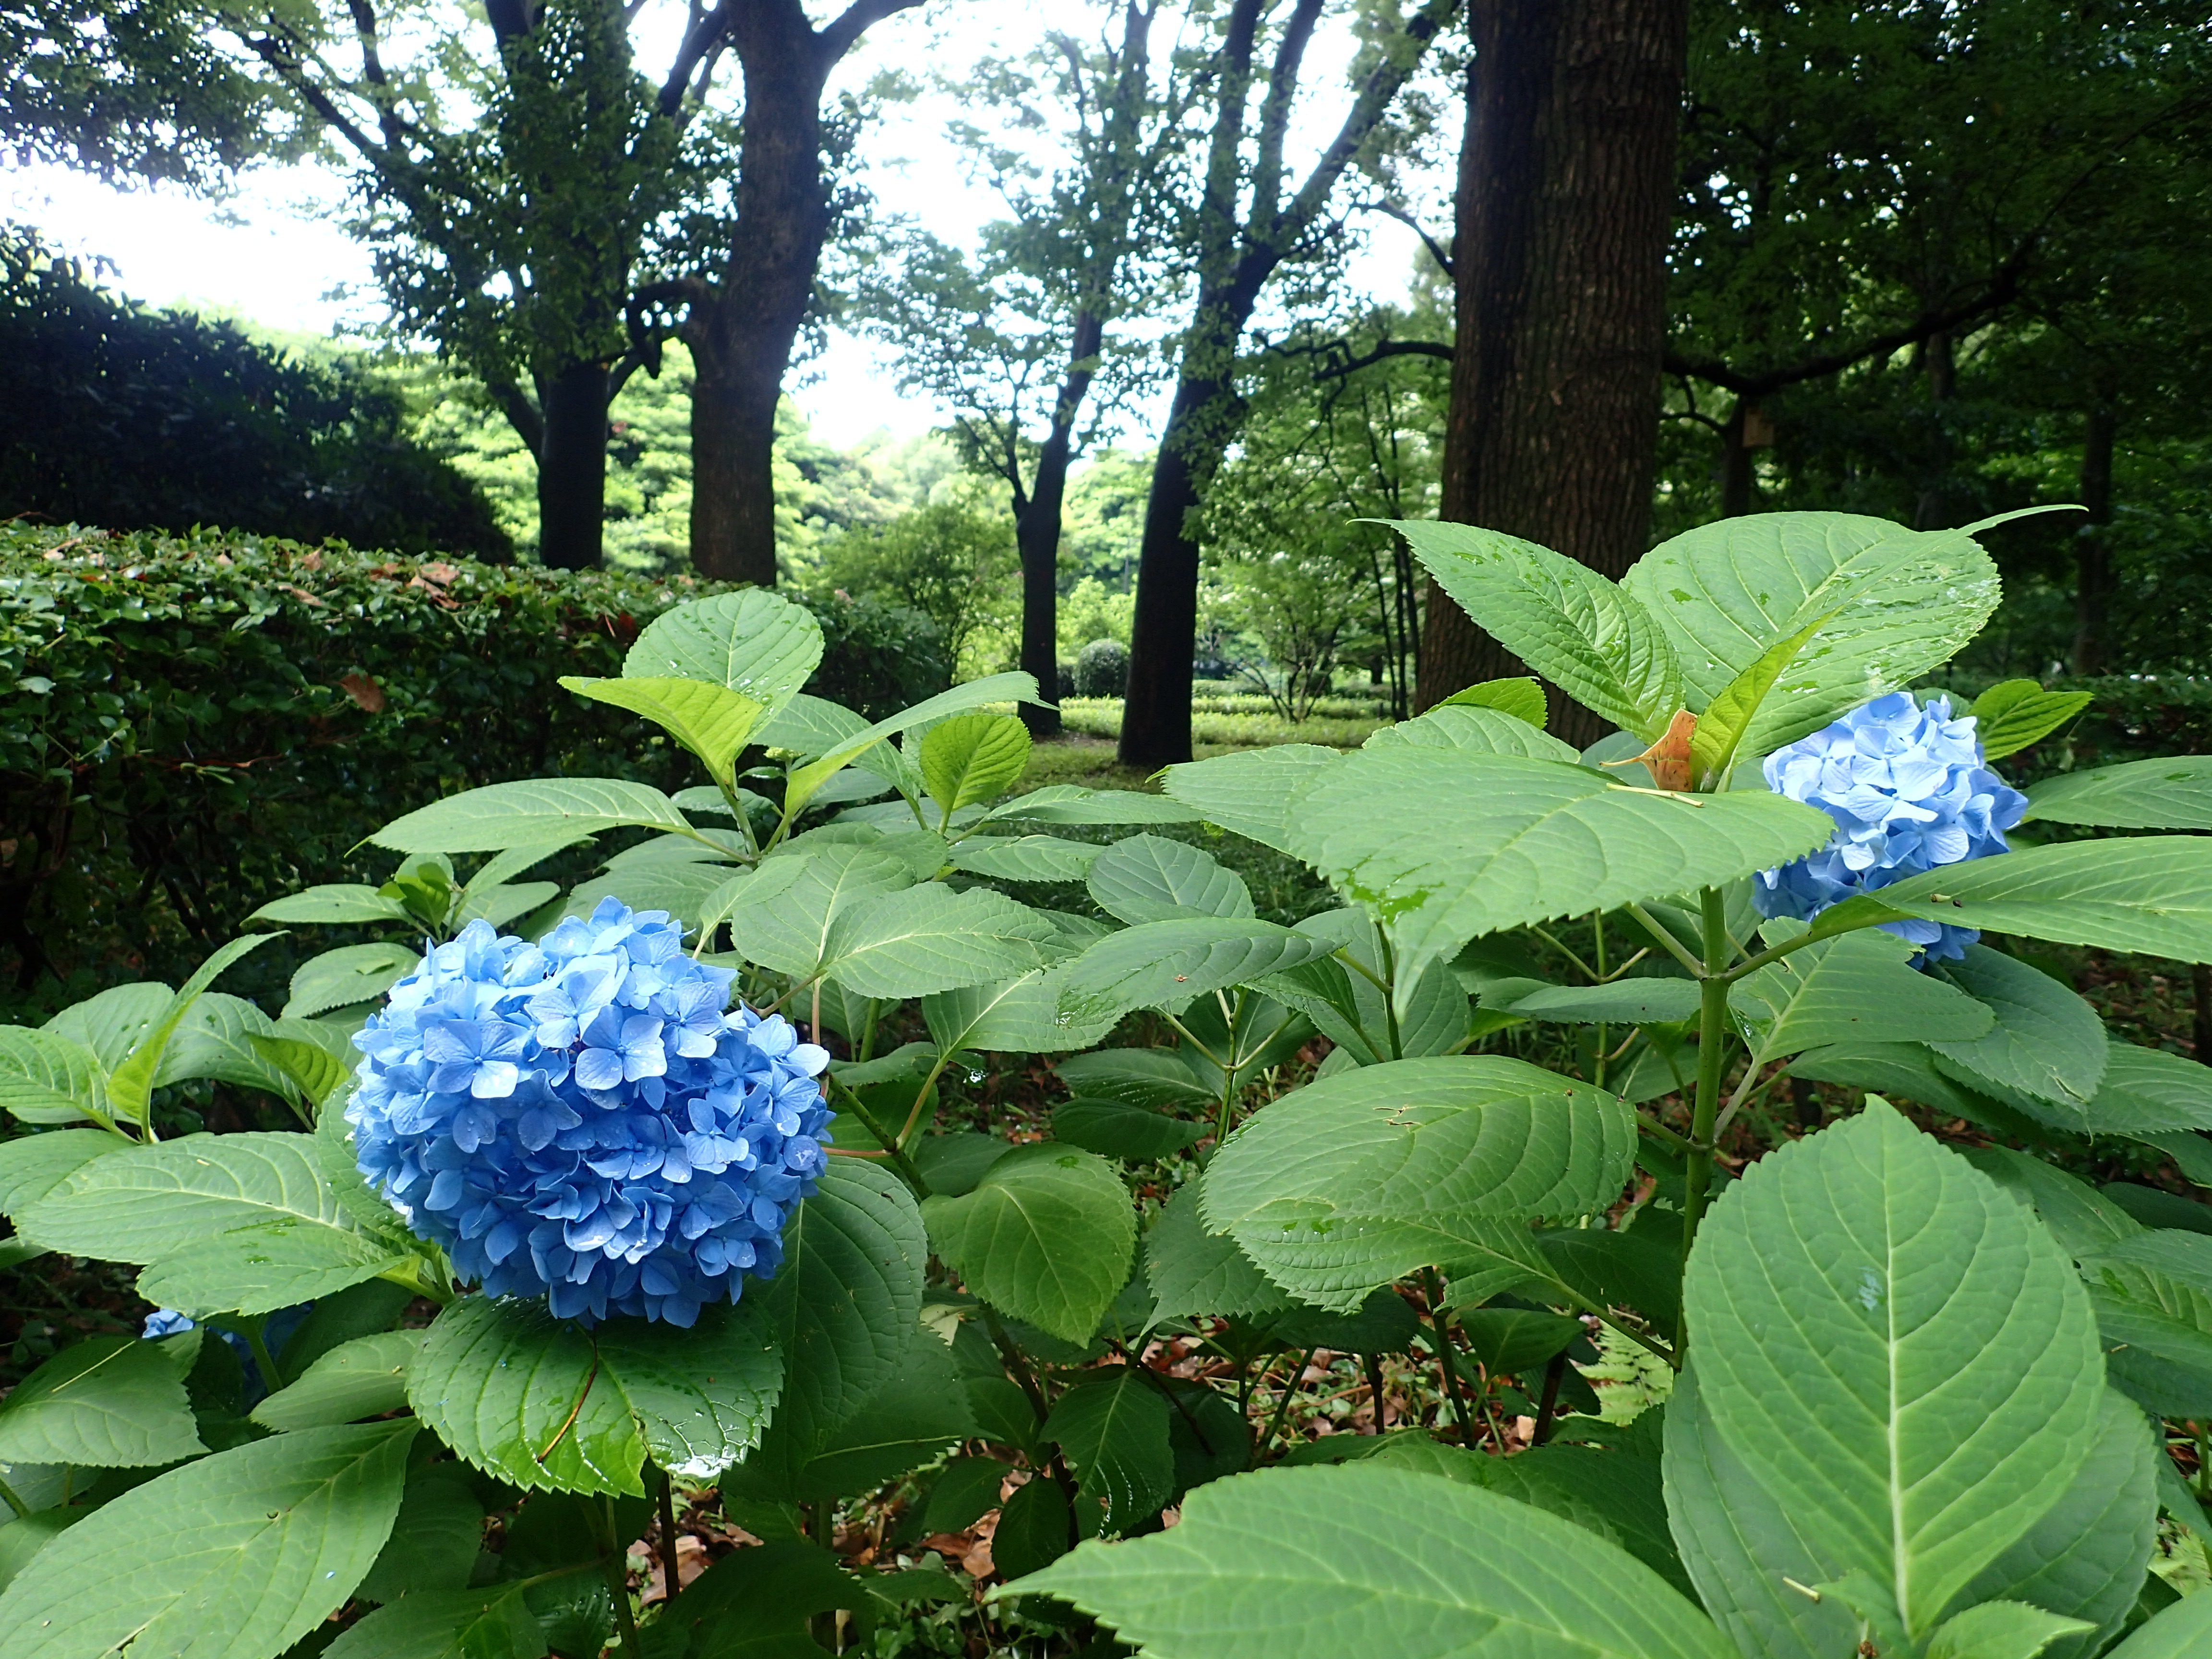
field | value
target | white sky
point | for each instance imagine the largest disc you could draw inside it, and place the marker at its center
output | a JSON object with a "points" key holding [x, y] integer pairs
{"points": [[275, 252]]}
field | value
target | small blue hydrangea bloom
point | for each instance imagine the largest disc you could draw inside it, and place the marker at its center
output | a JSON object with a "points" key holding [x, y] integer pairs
{"points": [[586, 1119], [1909, 791], [277, 1330]]}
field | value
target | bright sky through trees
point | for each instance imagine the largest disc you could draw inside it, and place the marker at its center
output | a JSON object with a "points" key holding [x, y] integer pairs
{"points": [[276, 254]]}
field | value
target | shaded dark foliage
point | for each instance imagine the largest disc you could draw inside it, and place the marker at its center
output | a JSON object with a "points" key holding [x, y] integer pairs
{"points": [[114, 414]]}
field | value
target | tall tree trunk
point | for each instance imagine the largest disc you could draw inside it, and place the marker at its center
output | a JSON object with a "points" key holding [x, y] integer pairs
{"points": [[1163, 632], [1566, 188], [1036, 528], [1235, 260], [741, 335], [572, 467], [2093, 548], [1736, 464]]}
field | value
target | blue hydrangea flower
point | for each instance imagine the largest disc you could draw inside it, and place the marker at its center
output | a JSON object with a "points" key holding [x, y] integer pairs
{"points": [[586, 1119], [1909, 791]]}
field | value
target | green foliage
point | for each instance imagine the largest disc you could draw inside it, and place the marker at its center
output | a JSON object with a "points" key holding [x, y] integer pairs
{"points": [[1896, 1396], [132, 419]]}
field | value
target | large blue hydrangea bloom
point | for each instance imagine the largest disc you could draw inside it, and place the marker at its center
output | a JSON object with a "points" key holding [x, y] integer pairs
{"points": [[1909, 791], [580, 1119]]}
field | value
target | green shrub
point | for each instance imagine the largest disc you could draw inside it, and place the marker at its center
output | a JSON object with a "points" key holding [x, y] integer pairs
{"points": [[1102, 669], [190, 726], [158, 420]]}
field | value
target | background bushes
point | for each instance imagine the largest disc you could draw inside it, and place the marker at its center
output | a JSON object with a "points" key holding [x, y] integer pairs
{"points": [[143, 419], [190, 726]]}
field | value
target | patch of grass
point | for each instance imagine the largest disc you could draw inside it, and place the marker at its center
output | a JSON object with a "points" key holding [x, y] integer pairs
{"points": [[1101, 717]]}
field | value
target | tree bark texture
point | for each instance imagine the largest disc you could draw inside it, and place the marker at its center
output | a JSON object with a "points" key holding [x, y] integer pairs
{"points": [[2093, 548], [1566, 195], [1037, 528], [572, 467], [741, 334]]}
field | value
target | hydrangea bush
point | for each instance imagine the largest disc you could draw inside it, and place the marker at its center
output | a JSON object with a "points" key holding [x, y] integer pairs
{"points": [[563, 1249]]}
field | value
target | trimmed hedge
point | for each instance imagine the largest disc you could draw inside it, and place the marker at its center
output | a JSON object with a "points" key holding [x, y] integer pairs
{"points": [[190, 726]]}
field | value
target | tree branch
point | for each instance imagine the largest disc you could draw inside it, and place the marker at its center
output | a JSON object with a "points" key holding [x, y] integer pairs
{"points": [[520, 413], [1384, 349], [839, 36], [699, 39], [1392, 211]]}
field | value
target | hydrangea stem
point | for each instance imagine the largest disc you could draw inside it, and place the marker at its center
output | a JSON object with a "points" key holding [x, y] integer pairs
{"points": [[1712, 1054]]}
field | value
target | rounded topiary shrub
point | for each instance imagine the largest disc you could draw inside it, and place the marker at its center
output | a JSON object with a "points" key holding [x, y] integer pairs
{"points": [[1102, 669]]}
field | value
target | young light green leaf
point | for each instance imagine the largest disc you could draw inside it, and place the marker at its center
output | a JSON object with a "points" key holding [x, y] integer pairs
{"points": [[220, 1038], [1720, 729], [1520, 698], [1011, 1016], [1194, 1273], [337, 905], [1357, 1180], [712, 721], [1025, 858], [105, 1402], [494, 1622], [262, 1265], [32, 1166], [1506, 841], [800, 786], [350, 974], [1151, 878], [530, 813], [971, 758], [2175, 793], [144, 1203], [2046, 1041], [1254, 792], [2002, 1629], [2182, 1631], [1853, 989], [1481, 730], [1902, 601], [1114, 1432], [2083, 1559], [275, 1534], [1069, 803], [115, 1022], [1593, 640], [1046, 1236], [2148, 894], [2148, 1091], [2014, 713], [1621, 1002], [130, 1083], [1415, 1567], [1871, 1281], [46, 1078], [365, 1377], [1164, 965], [755, 641], [310, 1064], [929, 937], [780, 917]]}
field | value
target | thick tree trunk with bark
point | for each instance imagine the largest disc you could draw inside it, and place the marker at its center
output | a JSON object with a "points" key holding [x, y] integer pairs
{"points": [[572, 467], [1566, 195], [1163, 632], [2093, 548], [741, 334]]}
